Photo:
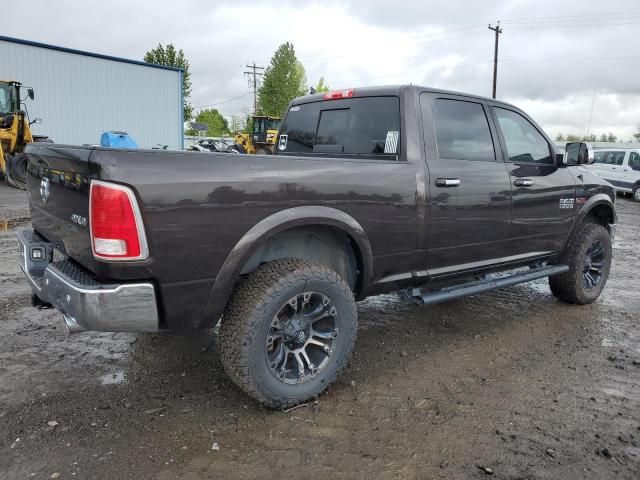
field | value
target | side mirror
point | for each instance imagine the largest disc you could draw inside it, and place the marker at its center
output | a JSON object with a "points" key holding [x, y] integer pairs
{"points": [[37, 121], [579, 153], [30, 93]]}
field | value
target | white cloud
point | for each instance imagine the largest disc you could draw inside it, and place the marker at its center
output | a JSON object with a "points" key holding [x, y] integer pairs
{"points": [[553, 55]]}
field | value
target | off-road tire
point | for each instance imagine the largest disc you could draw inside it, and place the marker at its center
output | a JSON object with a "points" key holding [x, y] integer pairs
{"points": [[248, 316], [263, 151], [569, 287]]}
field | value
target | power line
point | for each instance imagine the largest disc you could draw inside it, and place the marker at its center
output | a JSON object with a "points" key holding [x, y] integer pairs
{"points": [[583, 17], [574, 25], [323, 56], [224, 101], [254, 83], [497, 31]]}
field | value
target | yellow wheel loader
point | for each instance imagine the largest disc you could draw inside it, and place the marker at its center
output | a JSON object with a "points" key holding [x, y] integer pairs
{"points": [[15, 133], [261, 140]]}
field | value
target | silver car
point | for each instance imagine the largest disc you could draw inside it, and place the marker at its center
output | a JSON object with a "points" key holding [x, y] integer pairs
{"points": [[621, 168]]}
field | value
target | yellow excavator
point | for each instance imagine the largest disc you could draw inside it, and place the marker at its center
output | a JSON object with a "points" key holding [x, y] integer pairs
{"points": [[262, 138], [15, 133]]}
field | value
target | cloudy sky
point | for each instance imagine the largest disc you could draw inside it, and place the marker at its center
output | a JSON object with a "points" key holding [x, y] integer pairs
{"points": [[571, 64]]}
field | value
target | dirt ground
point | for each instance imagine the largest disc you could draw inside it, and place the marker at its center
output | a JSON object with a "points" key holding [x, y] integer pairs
{"points": [[512, 384]]}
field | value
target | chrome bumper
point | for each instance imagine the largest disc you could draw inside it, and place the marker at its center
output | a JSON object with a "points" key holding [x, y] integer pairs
{"points": [[85, 303]]}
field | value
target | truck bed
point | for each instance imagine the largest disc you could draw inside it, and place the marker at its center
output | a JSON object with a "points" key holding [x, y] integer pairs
{"points": [[196, 207]]}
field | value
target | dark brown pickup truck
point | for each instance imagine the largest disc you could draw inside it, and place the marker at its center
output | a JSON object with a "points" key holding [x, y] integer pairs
{"points": [[371, 190]]}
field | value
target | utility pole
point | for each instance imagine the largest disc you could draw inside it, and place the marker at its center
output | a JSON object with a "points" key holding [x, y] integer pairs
{"points": [[498, 31], [253, 82]]}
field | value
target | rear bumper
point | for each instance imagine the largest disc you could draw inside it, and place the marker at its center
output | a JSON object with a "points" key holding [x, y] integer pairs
{"points": [[85, 303]]}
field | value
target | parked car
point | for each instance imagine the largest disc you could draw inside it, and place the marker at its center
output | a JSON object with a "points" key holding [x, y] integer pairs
{"points": [[621, 168], [209, 145], [371, 190]]}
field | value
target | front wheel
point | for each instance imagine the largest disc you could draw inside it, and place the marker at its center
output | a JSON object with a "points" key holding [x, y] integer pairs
{"points": [[589, 260], [288, 331], [636, 193]]}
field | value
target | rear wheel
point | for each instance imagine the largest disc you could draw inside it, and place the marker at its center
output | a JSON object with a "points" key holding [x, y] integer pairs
{"points": [[636, 193], [288, 331], [589, 260], [263, 151]]}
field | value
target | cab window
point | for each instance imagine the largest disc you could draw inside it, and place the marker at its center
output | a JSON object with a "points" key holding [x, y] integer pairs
{"points": [[462, 130], [634, 161], [523, 141], [367, 126]]}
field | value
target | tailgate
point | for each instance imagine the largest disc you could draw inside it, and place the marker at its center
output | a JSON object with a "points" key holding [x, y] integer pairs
{"points": [[58, 189]]}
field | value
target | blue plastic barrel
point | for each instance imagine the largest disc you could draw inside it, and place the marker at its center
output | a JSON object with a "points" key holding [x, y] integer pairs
{"points": [[115, 139]]}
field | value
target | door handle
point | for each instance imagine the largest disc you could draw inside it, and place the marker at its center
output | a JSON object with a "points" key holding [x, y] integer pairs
{"points": [[523, 182], [447, 182]]}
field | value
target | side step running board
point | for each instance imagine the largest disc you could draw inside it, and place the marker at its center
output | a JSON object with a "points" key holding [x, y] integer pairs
{"points": [[473, 288]]}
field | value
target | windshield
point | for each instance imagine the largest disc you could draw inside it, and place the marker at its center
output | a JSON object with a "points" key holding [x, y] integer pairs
{"points": [[262, 124], [7, 98], [272, 124]]}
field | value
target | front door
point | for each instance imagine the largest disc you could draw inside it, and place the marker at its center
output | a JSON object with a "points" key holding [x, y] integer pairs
{"points": [[543, 194], [469, 190]]}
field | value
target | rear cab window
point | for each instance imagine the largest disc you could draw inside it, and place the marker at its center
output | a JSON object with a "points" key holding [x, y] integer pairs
{"points": [[359, 127]]}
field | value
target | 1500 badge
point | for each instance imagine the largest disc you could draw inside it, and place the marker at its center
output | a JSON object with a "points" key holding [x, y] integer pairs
{"points": [[566, 202]]}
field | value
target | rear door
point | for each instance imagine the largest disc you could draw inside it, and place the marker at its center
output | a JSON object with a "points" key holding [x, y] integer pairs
{"points": [[468, 184], [543, 194]]}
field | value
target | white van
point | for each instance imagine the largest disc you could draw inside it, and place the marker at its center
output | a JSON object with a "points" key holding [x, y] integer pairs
{"points": [[621, 168]]}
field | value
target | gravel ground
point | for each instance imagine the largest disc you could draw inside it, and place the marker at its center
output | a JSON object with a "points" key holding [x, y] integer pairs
{"points": [[512, 384]]}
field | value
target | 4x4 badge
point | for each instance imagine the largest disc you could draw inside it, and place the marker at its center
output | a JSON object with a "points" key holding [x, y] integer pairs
{"points": [[44, 189]]}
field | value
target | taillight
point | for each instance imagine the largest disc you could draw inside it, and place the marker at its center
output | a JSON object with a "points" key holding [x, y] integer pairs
{"points": [[115, 223], [338, 94]]}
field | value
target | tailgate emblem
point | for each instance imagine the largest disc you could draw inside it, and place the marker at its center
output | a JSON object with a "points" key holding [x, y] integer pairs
{"points": [[44, 189]]}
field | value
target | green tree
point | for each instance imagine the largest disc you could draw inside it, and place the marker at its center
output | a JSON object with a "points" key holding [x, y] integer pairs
{"points": [[636, 134], [170, 57], [560, 138], [589, 138], [321, 86], [217, 124], [236, 124], [248, 125], [611, 137], [573, 138], [283, 80], [603, 137]]}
